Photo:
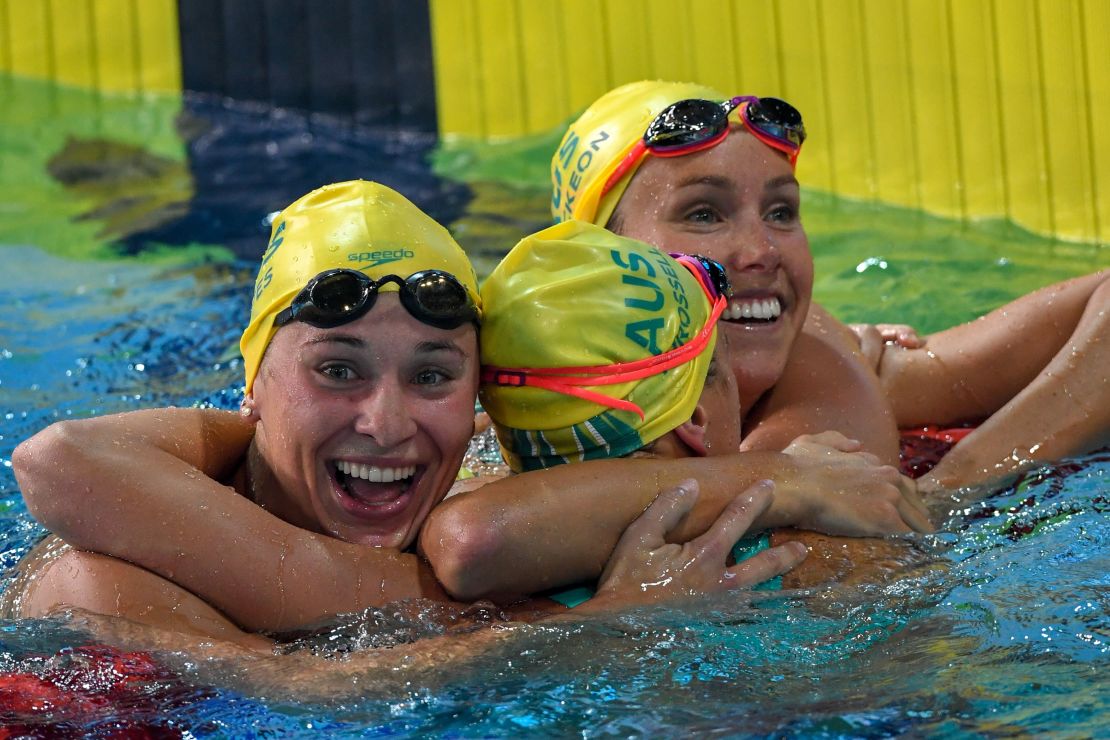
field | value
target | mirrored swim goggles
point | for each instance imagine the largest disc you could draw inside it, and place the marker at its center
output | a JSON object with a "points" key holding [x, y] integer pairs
{"points": [[712, 278], [336, 297], [694, 124]]}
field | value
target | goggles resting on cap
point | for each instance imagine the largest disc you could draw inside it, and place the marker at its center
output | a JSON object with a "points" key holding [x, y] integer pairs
{"points": [[339, 296], [694, 124], [712, 278]]}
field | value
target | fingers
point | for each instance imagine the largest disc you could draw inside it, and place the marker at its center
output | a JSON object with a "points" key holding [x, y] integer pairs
{"points": [[734, 522], [913, 509], [662, 515], [871, 345], [903, 335], [767, 564], [834, 439]]}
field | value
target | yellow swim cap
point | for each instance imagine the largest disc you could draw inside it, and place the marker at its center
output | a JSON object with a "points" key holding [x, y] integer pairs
{"points": [[574, 296], [356, 225], [601, 137]]}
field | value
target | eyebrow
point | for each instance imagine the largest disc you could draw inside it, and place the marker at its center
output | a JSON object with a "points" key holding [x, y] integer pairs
{"points": [[350, 340], [440, 346], [716, 181], [781, 180], [719, 181]]}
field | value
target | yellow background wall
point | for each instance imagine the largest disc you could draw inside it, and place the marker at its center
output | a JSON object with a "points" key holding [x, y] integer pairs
{"points": [[117, 46], [964, 108]]}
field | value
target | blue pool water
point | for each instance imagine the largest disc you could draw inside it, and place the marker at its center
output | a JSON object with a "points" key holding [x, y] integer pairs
{"points": [[126, 237]]}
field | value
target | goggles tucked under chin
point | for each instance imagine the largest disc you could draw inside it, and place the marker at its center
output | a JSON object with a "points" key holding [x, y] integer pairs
{"points": [[694, 124], [339, 296], [712, 278]]}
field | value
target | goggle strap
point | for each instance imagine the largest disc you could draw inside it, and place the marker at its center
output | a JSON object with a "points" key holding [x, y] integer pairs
{"points": [[635, 154]]}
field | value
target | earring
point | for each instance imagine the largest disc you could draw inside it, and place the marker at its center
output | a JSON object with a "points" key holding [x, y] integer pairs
{"points": [[246, 408]]}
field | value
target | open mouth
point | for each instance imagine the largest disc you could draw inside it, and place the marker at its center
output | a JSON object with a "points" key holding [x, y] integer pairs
{"points": [[373, 486], [753, 310]]}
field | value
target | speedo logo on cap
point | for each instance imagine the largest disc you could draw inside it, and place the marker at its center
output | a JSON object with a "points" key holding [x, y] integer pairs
{"points": [[381, 257]]}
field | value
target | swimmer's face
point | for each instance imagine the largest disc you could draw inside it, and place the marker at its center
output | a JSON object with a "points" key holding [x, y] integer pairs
{"points": [[364, 426], [738, 203]]}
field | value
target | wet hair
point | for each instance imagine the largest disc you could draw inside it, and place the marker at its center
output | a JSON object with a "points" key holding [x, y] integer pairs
{"points": [[616, 221]]}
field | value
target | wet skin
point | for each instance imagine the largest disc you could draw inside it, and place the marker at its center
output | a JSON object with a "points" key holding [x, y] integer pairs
{"points": [[387, 392], [738, 203]]}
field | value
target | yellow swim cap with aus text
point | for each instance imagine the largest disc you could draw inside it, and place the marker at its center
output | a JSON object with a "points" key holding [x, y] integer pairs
{"points": [[573, 296], [357, 225], [599, 139]]}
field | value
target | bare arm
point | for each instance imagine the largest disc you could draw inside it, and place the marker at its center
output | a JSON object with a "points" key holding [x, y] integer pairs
{"points": [[55, 577], [1035, 369], [826, 385], [556, 527], [144, 487]]}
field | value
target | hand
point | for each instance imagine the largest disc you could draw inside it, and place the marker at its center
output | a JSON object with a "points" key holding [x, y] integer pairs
{"points": [[644, 568], [831, 448], [850, 494], [874, 337]]}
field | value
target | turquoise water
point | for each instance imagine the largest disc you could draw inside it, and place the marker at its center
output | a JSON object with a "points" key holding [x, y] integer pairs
{"points": [[116, 302]]}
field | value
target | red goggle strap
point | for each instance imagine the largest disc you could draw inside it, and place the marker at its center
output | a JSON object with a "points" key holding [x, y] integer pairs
{"points": [[566, 379], [635, 154]]}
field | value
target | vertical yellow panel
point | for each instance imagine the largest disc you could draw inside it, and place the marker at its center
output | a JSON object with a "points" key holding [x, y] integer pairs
{"points": [[159, 46], [5, 39], [670, 41], [978, 121], [1096, 28], [712, 46], [629, 46], [116, 48], [897, 170], [585, 49], [845, 89], [1069, 167], [500, 68], [73, 44], [1021, 102], [455, 42], [934, 106], [803, 80], [756, 55], [27, 34], [543, 50]]}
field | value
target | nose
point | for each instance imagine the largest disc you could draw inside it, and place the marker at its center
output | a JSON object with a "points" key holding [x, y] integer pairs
{"points": [[383, 414], [755, 250]]}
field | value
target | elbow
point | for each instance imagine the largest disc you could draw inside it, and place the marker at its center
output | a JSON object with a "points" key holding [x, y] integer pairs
{"points": [[40, 464], [462, 550]]}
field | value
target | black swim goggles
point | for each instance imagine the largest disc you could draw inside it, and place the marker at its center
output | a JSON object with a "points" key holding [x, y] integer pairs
{"points": [[709, 272], [695, 124], [339, 296]]}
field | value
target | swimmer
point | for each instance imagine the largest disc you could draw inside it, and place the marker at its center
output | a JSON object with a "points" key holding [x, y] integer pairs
{"points": [[596, 346], [688, 169], [273, 509]]}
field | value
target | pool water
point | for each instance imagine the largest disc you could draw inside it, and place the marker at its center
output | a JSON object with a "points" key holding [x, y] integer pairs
{"points": [[128, 231]]}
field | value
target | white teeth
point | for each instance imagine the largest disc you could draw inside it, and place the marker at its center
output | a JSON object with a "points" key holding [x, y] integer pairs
{"points": [[765, 309], [375, 474]]}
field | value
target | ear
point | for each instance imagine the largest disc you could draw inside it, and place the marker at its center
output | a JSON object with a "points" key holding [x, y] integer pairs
{"points": [[692, 432]]}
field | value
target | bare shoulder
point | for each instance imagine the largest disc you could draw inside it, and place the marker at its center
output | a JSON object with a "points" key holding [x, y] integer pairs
{"points": [[826, 385]]}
